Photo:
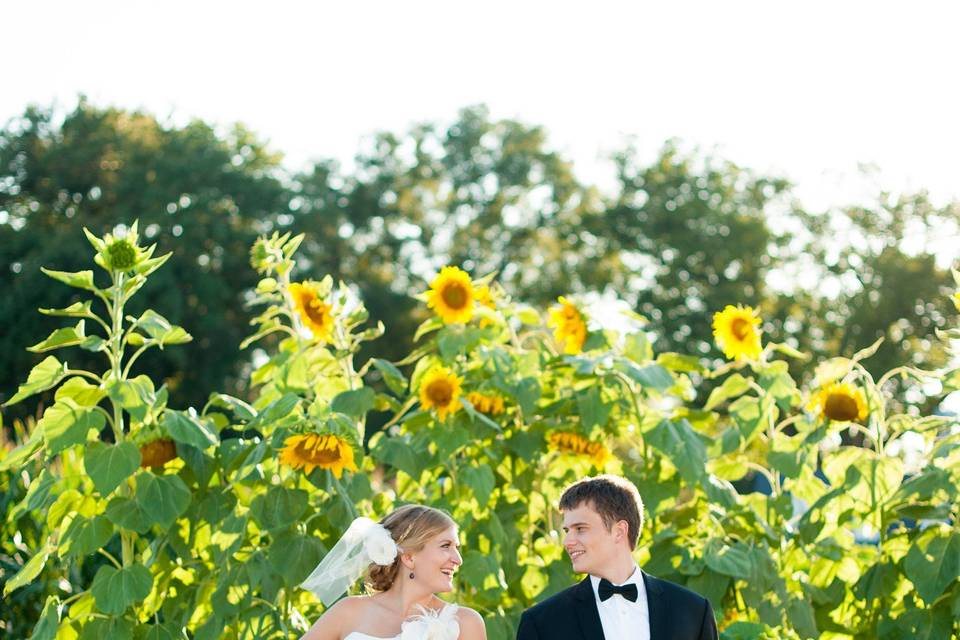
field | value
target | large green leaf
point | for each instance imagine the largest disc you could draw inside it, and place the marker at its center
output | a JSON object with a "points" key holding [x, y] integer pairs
{"points": [[279, 507], [66, 424], [294, 556], [398, 452], [167, 631], [481, 481], [652, 376], [127, 513], [162, 498], [109, 465], [730, 560], [46, 627], [933, 562], [735, 385], [593, 411], [84, 536], [188, 428], [116, 589], [45, 375], [29, 571], [356, 402], [161, 330], [682, 446]]}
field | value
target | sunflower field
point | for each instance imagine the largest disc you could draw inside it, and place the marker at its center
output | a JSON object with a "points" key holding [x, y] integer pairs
{"points": [[822, 510]]}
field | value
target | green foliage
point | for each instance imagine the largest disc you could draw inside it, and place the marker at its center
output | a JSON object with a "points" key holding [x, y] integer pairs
{"points": [[214, 541]]}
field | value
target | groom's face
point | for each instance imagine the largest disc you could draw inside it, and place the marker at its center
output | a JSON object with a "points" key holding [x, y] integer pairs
{"points": [[591, 546]]}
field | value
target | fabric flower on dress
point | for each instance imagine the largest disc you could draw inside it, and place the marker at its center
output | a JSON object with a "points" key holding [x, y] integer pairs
{"points": [[432, 625]]}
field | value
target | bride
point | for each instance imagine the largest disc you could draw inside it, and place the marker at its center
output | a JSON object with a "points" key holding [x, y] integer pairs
{"points": [[409, 557]]}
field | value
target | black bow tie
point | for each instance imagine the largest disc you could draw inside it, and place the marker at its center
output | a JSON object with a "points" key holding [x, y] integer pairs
{"points": [[606, 590]]}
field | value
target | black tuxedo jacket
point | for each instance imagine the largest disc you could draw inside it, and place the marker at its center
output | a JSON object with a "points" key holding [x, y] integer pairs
{"points": [[675, 614]]}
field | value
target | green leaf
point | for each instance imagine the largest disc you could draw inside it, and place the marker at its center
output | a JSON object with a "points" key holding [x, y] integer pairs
{"points": [[733, 386], [933, 562], [162, 498], [392, 376], [680, 362], [116, 589], [42, 377], [354, 403], [126, 513], [527, 393], [652, 376], [78, 279], [80, 391], [160, 330], [428, 325], [65, 337], [217, 506], [29, 571], [294, 556], [84, 536], [681, 444], [187, 428], [76, 310], [24, 452], [397, 452], [240, 408], [46, 627], [66, 424], [481, 481], [168, 631], [730, 560], [109, 465], [593, 411], [279, 507]]}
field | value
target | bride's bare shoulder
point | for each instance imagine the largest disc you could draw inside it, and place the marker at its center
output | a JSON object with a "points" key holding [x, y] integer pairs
{"points": [[471, 624], [335, 620]]}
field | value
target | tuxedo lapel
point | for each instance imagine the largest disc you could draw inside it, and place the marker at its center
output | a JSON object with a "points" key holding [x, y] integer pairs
{"points": [[587, 612], [656, 607]]}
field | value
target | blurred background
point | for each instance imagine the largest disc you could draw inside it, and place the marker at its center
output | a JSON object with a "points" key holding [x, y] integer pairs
{"points": [[675, 156]]}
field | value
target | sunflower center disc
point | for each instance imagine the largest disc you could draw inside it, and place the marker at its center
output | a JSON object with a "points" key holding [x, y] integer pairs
{"points": [[455, 296], [841, 407], [740, 328]]}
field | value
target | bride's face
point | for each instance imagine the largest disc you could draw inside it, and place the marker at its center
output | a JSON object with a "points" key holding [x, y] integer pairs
{"points": [[435, 565]]}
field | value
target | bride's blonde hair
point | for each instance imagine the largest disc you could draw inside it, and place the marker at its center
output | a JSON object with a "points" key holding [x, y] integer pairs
{"points": [[410, 526]]}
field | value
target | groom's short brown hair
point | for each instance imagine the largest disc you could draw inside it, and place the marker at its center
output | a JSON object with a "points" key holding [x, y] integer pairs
{"points": [[613, 497]]}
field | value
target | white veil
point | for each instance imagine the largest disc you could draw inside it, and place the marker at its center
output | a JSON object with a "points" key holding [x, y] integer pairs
{"points": [[363, 543]]}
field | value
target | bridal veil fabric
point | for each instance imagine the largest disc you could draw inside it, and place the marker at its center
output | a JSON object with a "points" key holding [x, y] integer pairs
{"points": [[364, 542]]}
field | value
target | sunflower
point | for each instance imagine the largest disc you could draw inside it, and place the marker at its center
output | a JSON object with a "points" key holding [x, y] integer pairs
{"points": [[571, 442], [311, 450], [452, 295], [157, 453], [440, 390], [737, 333], [569, 327], [314, 311], [491, 405], [840, 401], [956, 301]]}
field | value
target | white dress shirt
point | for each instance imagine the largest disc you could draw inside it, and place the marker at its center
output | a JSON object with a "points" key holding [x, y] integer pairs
{"points": [[620, 618]]}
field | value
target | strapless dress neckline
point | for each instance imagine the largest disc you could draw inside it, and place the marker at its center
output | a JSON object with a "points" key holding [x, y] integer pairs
{"points": [[356, 635], [448, 611]]}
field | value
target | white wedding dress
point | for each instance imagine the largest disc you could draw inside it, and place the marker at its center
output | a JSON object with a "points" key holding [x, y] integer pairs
{"points": [[429, 625]]}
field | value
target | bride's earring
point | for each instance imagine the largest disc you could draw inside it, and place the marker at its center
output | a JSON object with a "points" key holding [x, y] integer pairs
{"points": [[411, 575]]}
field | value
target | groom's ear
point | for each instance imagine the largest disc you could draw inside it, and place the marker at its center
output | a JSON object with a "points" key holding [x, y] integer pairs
{"points": [[621, 530]]}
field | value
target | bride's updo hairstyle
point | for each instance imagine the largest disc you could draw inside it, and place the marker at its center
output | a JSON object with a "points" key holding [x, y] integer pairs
{"points": [[410, 526]]}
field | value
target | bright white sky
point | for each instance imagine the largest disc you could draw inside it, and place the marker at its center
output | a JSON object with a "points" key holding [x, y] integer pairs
{"points": [[806, 89]]}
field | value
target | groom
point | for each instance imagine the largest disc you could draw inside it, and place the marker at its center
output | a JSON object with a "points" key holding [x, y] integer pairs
{"points": [[602, 517]]}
